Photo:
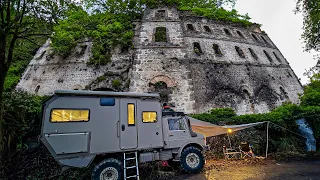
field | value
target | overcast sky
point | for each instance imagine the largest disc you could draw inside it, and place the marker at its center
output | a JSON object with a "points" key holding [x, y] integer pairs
{"points": [[283, 27]]}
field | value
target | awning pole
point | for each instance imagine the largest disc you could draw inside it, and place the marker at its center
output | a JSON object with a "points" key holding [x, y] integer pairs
{"points": [[229, 140], [267, 139]]}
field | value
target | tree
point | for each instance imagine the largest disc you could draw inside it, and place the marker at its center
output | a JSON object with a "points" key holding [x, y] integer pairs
{"points": [[23, 21], [311, 96], [310, 9]]}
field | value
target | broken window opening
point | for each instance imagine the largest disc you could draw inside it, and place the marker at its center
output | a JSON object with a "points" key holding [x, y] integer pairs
{"points": [[37, 89], [227, 31], [207, 29], [161, 14], [190, 27], [240, 34], [197, 48], [161, 34], [264, 40], [217, 50], [240, 52], [255, 37], [277, 57], [268, 56], [253, 54]]}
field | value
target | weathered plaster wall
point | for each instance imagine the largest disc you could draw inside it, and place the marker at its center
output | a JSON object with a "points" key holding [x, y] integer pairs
{"points": [[196, 82]]}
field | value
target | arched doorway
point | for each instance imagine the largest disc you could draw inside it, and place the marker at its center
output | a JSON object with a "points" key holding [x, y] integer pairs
{"points": [[162, 85]]}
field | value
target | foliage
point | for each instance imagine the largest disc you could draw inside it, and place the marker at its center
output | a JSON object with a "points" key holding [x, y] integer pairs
{"points": [[24, 124], [24, 52], [101, 78], [311, 96], [216, 115], [116, 83], [211, 9], [107, 31], [310, 10]]}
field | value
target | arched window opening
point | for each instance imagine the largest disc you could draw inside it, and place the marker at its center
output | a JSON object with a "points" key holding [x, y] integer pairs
{"points": [[277, 57], [253, 54], [227, 31], [268, 56], [240, 34], [197, 48], [207, 29], [264, 40], [255, 37], [190, 27], [161, 34], [240, 52], [37, 89], [217, 50], [161, 14]]}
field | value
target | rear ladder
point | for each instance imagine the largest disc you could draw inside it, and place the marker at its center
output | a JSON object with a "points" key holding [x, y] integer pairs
{"points": [[128, 158]]}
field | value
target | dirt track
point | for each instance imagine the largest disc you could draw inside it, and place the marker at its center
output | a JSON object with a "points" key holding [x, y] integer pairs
{"points": [[296, 170]]}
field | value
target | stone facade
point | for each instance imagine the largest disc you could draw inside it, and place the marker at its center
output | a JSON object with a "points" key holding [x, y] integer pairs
{"points": [[202, 63]]}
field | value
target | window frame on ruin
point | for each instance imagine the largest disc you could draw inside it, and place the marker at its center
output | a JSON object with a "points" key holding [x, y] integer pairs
{"points": [[198, 46], [253, 54], [264, 40], [254, 37], [207, 29], [227, 31], [217, 50], [268, 56], [240, 34], [190, 27], [240, 52], [161, 14], [160, 34], [277, 57]]}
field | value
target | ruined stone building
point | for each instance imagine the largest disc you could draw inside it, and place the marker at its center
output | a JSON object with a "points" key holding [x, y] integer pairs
{"points": [[194, 62]]}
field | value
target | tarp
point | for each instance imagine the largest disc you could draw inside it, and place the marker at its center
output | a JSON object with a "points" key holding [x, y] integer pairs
{"points": [[209, 130]]}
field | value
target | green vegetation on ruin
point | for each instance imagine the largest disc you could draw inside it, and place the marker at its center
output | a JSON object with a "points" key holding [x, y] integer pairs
{"points": [[110, 24]]}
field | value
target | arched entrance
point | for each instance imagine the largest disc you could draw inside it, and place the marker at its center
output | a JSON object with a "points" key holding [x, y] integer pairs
{"points": [[162, 85]]}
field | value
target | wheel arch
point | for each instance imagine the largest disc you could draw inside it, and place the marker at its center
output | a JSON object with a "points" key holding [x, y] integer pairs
{"points": [[190, 144]]}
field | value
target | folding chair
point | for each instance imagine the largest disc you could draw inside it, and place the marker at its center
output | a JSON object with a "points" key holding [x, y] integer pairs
{"points": [[230, 153], [246, 150]]}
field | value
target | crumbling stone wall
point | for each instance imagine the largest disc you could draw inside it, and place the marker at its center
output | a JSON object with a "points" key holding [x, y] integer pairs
{"points": [[48, 72], [200, 63]]}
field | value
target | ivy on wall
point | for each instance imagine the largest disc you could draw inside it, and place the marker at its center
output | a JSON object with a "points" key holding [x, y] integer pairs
{"points": [[109, 24]]}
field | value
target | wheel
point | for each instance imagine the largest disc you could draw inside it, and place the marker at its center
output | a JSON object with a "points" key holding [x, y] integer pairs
{"points": [[192, 160], [109, 169]]}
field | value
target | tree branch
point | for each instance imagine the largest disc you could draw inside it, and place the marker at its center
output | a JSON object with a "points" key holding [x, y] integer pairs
{"points": [[8, 13], [10, 53], [26, 38], [1, 11]]}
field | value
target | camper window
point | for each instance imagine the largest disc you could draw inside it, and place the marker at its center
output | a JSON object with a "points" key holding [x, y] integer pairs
{"points": [[69, 115], [107, 102], [176, 124], [131, 114], [149, 117]]}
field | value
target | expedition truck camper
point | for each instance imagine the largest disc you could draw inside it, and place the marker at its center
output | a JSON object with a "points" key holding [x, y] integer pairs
{"points": [[117, 131]]}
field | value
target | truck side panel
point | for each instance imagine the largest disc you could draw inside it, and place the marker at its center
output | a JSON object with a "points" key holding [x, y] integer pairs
{"points": [[102, 125]]}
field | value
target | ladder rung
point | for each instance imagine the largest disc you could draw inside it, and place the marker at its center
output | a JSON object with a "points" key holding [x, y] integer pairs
{"points": [[132, 176], [130, 152], [130, 159], [131, 167]]}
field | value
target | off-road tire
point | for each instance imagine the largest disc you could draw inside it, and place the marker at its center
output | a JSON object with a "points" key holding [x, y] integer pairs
{"points": [[107, 163], [195, 152]]}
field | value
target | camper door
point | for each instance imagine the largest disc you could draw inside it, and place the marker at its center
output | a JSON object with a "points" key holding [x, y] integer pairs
{"points": [[127, 124]]}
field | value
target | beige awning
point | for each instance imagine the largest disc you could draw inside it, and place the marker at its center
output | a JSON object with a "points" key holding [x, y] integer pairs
{"points": [[209, 130]]}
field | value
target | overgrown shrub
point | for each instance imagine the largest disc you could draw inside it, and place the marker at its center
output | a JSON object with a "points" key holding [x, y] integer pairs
{"points": [[22, 113]]}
